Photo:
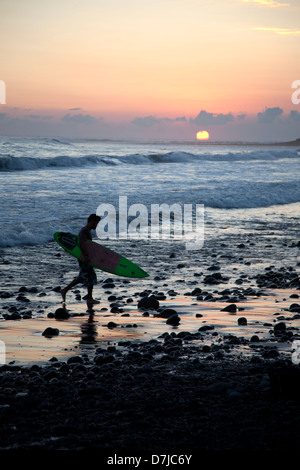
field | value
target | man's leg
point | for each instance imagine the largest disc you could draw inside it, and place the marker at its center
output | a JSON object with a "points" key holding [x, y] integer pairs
{"points": [[64, 291]]}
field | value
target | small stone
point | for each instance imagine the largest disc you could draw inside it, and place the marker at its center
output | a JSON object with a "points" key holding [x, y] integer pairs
{"points": [[167, 312], [75, 360], [294, 308], [173, 320], [50, 332], [280, 327], [115, 309], [148, 302], [61, 313], [230, 308], [242, 321], [206, 328]]}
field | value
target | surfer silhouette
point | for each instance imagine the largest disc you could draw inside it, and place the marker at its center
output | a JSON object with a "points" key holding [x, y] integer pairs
{"points": [[87, 275]]}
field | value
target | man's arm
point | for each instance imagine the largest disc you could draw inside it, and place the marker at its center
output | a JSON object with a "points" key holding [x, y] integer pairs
{"points": [[83, 237]]}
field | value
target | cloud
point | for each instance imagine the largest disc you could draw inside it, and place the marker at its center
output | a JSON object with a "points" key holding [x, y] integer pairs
{"points": [[211, 119], [281, 31], [149, 121], [268, 3], [79, 118], [38, 116], [294, 116], [269, 115]]}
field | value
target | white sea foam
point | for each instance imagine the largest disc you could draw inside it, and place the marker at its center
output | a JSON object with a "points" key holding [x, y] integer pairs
{"points": [[18, 163], [51, 185]]}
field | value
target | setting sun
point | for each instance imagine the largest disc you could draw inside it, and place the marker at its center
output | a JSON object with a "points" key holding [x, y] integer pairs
{"points": [[202, 135]]}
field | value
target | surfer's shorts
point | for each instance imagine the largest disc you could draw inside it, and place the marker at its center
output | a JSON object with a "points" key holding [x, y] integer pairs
{"points": [[87, 275]]}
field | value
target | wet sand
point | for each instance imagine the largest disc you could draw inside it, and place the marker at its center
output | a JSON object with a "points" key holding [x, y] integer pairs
{"points": [[124, 378]]}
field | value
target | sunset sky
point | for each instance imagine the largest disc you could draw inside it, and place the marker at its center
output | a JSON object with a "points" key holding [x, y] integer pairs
{"points": [[150, 69]]}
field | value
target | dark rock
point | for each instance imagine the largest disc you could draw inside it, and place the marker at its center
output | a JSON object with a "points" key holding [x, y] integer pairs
{"points": [[134, 355], [148, 302], [280, 327], [116, 309], [15, 316], [75, 360], [230, 308], [108, 359], [108, 285], [213, 279], [206, 328], [57, 289], [111, 324], [270, 353], [23, 289], [294, 308], [242, 321], [5, 295], [61, 313], [284, 278], [22, 298], [50, 374], [173, 320], [196, 291], [51, 332], [167, 312], [112, 297]]}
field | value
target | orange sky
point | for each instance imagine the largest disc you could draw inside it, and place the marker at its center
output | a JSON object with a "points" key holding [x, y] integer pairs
{"points": [[119, 60]]}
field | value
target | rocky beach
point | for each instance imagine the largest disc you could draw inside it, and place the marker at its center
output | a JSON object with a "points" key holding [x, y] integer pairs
{"points": [[200, 356]]}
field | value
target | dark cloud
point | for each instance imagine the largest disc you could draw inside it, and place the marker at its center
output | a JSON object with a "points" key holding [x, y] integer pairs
{"points": [[294, 116], [148, 121], [38, 116], [211, 119], [269, 115], [79, 118]]}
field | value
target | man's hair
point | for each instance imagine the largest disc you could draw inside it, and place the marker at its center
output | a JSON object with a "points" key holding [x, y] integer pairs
{"points": [[94, 217]]}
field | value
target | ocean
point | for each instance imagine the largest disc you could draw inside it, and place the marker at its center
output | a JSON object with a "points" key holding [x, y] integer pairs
{"points": [[250, 196], [50, 185]]}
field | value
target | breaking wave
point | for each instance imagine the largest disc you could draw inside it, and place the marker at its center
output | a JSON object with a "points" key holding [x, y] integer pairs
{"points": [[22, 163]]}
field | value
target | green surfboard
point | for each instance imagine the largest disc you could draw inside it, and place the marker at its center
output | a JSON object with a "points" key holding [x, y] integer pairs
{"points": [[100, 257]]}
